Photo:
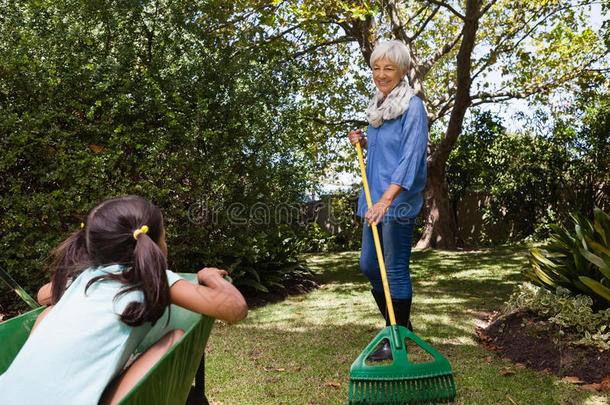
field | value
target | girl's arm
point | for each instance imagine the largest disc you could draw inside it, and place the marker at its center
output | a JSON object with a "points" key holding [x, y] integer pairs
{"points": [[217, 298], [44, 294]]}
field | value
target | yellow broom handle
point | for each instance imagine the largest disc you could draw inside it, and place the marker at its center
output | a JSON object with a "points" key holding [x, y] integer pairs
{"points": [[384, 277]]}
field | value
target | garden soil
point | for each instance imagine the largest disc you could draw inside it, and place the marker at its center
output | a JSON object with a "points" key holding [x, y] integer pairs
{"points": [[528, 339]]}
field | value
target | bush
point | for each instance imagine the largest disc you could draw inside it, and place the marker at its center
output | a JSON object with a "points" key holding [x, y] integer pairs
{"points": [[578, 261], [95, 104], [337, 212], [315, 239], [524, 181], [570, 313], [268, 261], [343, 212]]}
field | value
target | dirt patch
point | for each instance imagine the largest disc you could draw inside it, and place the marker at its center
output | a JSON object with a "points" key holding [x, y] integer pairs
{"points": [[526, 338]]}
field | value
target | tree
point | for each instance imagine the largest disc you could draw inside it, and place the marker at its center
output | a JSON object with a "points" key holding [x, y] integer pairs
{"points": [[530, 48]]}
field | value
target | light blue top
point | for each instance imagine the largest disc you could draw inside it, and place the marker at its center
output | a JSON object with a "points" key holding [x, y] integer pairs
{"points": [[397, 153], [78, 347]]}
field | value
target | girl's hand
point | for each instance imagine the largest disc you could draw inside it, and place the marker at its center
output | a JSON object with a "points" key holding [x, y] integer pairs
{"points": [[209, 273], [376, 212], [213, 296], [45, 294], [356, 136]]}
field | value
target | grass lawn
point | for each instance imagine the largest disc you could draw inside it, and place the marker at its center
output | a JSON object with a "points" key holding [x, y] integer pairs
{"points": [[299, 351]]}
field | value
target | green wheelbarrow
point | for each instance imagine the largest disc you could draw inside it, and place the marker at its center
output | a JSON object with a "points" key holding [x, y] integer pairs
{"points": [[170, 381]]}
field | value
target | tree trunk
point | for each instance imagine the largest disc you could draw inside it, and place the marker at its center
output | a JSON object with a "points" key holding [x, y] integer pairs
{"points": [[440, 230]]}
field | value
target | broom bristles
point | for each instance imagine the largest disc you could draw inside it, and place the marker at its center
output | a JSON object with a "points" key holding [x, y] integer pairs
{"points": [[408, 391]]}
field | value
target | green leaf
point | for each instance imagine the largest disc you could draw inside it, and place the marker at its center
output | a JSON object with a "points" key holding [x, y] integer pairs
{"points": [[601, 218], [598, 288], [598, 246], [541, 258], [544, 277], [596, 260]]}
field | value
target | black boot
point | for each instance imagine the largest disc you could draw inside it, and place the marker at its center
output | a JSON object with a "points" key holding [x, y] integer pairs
{"points": [[402, 309], [381, 304], [402, 312], [385, 351]]}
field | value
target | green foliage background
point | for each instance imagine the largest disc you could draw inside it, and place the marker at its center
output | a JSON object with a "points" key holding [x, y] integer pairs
{"points": [[538, 175], [224, 112], [168, 100]]}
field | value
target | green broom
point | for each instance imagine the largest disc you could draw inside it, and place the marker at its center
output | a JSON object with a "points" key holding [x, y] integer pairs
{"points": [[401, 382]]}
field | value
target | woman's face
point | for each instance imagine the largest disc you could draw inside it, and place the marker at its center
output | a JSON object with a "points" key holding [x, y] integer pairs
{"points": [[386, 75]]}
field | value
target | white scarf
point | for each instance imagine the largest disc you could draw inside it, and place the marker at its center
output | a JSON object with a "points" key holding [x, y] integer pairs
{"points": [[394, 105]]}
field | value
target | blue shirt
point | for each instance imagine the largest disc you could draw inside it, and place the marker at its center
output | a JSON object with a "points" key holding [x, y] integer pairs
{"points": [[78, 347], [397, 154]]}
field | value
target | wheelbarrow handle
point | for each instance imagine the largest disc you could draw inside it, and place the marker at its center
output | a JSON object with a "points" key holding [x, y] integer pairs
{"points": [[18, 289]]}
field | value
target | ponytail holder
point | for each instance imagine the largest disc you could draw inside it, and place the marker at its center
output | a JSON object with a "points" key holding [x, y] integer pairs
{"points": [[137, 232], [82, 225]]}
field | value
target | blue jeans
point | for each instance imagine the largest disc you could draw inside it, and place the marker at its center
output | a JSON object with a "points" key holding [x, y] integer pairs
{"points": [[395, 236]]}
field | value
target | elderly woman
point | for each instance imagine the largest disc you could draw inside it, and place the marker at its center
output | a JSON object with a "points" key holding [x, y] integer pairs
{"points": [[396, 170]]}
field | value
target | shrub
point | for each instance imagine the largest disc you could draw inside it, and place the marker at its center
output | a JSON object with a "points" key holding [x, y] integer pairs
{"points": [[268, 261], [570, 313], [316, 239], [343, 212], [578, 261]]}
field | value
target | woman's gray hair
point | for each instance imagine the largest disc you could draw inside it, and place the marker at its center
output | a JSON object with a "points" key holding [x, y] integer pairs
{"points": [[395, 51]]}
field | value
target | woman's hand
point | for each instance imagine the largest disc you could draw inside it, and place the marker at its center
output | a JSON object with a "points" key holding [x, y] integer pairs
{"points": [[356, 136], [376, 212]]}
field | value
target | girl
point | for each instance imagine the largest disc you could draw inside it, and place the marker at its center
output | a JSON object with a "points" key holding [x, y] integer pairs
{"points": [[109, 286]]}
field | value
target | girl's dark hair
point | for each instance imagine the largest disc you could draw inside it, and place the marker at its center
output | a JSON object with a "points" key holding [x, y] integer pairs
{"points": [[108, 238]]}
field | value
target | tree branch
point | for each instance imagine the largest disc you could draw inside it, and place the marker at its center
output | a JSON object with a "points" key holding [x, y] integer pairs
{"points": [[414, 16], [448, 7], [364, 32], [427, 65], [462, 98], [487, 7], [484, 97], [510, 35], [339, 40], [442, 112], [336, 123], [267, 40], [425, 24], [245, 16], [448, 95], [397, 24]]}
